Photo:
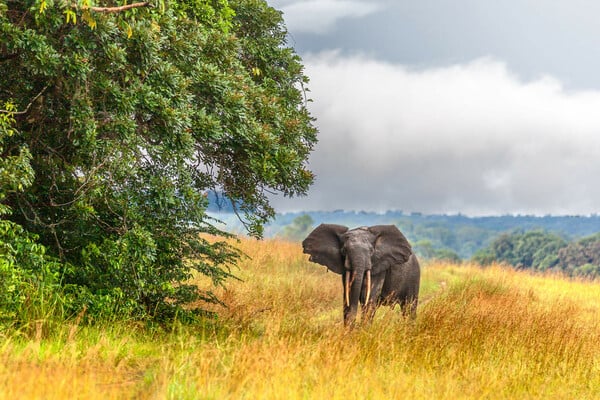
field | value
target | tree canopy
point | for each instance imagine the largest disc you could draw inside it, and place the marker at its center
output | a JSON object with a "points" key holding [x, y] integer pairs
{"points": [[118, 120], [543, 251]]}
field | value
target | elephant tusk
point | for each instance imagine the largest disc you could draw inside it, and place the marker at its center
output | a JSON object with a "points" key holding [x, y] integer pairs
{"points": [[347, 289], [349, 282], [368, 286]]}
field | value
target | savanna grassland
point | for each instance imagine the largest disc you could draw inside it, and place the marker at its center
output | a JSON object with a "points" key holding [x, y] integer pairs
{"points": [[490, 333]]}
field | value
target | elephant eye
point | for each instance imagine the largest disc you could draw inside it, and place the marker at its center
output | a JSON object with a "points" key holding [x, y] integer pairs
{"points": [[343, 251]]}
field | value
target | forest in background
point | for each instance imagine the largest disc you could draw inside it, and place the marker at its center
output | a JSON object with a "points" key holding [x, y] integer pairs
{"points": [[570, 244]]}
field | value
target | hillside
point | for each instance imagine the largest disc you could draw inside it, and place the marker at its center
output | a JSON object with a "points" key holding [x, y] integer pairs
{"points": [[460, 234], [488, 333]]}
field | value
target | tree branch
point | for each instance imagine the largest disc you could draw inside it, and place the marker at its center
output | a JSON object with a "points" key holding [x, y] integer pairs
{"points": [[26, 110], [114, 9]]}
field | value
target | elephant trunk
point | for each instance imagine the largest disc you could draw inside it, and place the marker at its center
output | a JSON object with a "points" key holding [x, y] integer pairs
{"points": [[353, 287], [348, 284]]}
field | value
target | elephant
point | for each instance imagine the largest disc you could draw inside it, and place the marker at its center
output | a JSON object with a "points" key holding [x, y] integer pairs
{"points": [[376, 263]]}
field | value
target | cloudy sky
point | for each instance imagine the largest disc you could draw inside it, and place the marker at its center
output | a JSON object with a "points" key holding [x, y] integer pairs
{"points": [[471, 106]]}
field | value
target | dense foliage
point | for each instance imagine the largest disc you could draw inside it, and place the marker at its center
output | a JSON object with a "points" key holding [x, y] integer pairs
{"points": [[581, 257], [116, 124], [541, 251], [27, 274], [532, 249]]}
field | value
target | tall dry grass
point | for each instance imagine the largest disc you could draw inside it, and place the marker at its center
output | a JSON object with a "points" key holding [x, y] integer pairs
{"points": [[480, 333]]}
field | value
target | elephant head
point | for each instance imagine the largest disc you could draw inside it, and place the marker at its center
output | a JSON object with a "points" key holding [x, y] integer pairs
{"points": [[358, 255]]}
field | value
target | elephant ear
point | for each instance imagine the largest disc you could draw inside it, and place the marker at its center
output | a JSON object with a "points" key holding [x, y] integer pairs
{"points": [[323, 244], [391, 247]]}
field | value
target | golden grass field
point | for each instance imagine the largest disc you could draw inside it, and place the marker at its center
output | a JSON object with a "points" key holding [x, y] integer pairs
{"points": [[490, 333]]}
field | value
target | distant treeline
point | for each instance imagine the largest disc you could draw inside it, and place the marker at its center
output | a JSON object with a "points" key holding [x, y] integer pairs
{"points": [[568, 243], [462, 234], [545, 251]]}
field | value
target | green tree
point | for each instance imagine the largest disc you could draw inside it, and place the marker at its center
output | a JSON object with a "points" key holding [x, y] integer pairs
{"points": [[28, 277], [581, 257], [128, 115], [531, 249]]}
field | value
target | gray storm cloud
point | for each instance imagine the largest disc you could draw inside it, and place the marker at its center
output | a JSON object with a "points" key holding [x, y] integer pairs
{"points": [[470, 138], [320, 16]]}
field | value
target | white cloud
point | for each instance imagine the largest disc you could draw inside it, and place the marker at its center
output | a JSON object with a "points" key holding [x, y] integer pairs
{"points": [[320, 16], [468, 138]]}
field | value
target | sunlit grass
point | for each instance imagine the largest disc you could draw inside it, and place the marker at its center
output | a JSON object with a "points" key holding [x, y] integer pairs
{"points": [[480, 333]]}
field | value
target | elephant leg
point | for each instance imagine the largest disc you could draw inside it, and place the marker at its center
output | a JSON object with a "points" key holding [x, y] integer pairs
{"points": [[409, 307], [370, 304], [402, 286]]}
